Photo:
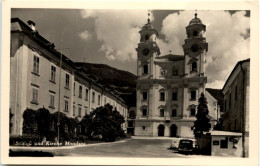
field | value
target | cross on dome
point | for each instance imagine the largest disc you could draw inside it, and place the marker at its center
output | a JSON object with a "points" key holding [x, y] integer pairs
{"points": [[148, 16]]}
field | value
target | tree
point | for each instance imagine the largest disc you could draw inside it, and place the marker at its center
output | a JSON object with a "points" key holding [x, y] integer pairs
{"points": [[202, 122], [10, 121], [29, 122], [43, 121], [105, 123], [85, 123]]}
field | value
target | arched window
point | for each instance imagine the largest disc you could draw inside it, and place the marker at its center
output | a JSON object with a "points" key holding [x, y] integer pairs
{"points": [[146, 37], [144, 110], [194, 48], [145, 69], [130, 124], [195, 33], [174, 71], [161, 112], [132, 114], [192, 110], [194, 66], [162, 94]]}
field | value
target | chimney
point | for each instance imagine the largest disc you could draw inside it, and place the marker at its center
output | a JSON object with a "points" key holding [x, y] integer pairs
{"points": [[31, 24]]}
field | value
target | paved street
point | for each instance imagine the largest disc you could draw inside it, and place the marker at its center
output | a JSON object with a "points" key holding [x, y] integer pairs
{"points": [[128, 148]]}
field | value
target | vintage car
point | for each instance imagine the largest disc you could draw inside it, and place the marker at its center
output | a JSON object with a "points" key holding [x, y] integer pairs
{"points": [[174, 144], [187, 146]]}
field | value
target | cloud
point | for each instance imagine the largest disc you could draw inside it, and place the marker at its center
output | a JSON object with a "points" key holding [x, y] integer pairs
{"points": [[215, 84], [224, 34], [85, 35], [118, 31]]}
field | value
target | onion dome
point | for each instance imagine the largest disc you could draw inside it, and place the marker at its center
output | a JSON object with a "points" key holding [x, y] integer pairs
{"points": [[148, 25], [195, 20]]}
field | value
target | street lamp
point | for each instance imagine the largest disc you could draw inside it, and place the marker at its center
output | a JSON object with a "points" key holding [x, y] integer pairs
{"points": [[58, 123]]}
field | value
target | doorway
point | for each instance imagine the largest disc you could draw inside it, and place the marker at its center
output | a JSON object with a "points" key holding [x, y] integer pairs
{"points": [[173, 130], [161, 130]]}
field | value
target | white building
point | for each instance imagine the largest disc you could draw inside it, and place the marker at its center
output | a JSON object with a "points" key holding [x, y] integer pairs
{"points": [[169, 86], [34, 79]]}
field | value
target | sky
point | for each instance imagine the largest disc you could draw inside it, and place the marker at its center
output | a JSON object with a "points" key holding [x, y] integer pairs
{"points": [[111, 36]]}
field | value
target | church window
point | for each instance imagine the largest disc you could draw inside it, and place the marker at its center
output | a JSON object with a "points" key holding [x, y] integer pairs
{"points": [[146, 37], [161, 112], [174, 71], [194, 48], [132, 114], [194, 66], [144, 112], [144, 95], [162, 96], [195, 33], [130, 124], [174, 112], [145, 68], [193, 95], [192, 112], [174, 96]]}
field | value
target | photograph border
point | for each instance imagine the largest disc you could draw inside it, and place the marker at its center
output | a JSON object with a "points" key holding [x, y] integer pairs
{"points": [[158, 5]]}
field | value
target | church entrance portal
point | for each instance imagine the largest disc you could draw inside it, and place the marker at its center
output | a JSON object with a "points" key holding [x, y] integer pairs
{"points": [[173, 130], [161, 130]]}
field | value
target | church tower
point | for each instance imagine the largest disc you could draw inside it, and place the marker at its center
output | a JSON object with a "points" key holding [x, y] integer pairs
{"points": [[147, 50], [168, 86], [195, 48]]}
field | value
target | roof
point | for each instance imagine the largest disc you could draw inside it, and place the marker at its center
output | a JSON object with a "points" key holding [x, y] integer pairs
{"points": [[238, 63], [195, 21], [171, 57], [35, 36], [218, 95], [225, 133], [149, 26]]}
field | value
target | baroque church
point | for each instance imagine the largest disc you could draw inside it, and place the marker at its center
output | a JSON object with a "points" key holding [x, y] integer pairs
{"points": [[169, 86]]}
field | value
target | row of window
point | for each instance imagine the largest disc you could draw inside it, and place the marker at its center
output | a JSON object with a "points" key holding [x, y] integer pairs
{"points": [[175, 71], [36, 61], [174, 95], [173, 112], [52, 99], [79, 111], [229, 98]]}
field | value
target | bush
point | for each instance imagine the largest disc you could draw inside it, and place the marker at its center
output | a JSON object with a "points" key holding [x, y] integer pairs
{"points": [[29, 121], [82, 138], [24, 140], [43, 121]]}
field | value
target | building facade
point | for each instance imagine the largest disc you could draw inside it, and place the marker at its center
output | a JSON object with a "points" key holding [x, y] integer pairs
{"points": [[168, 87], [236, 102], [41, 76]]}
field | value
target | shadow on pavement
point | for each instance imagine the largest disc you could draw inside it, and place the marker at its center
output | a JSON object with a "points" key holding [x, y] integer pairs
{"points": [[29, 154]]}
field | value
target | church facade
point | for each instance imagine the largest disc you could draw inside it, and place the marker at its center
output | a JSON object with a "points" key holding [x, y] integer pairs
{"points": [[169, 86]]}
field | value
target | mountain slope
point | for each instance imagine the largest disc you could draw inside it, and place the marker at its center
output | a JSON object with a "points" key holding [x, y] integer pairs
{"points": [[119, 80]]}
